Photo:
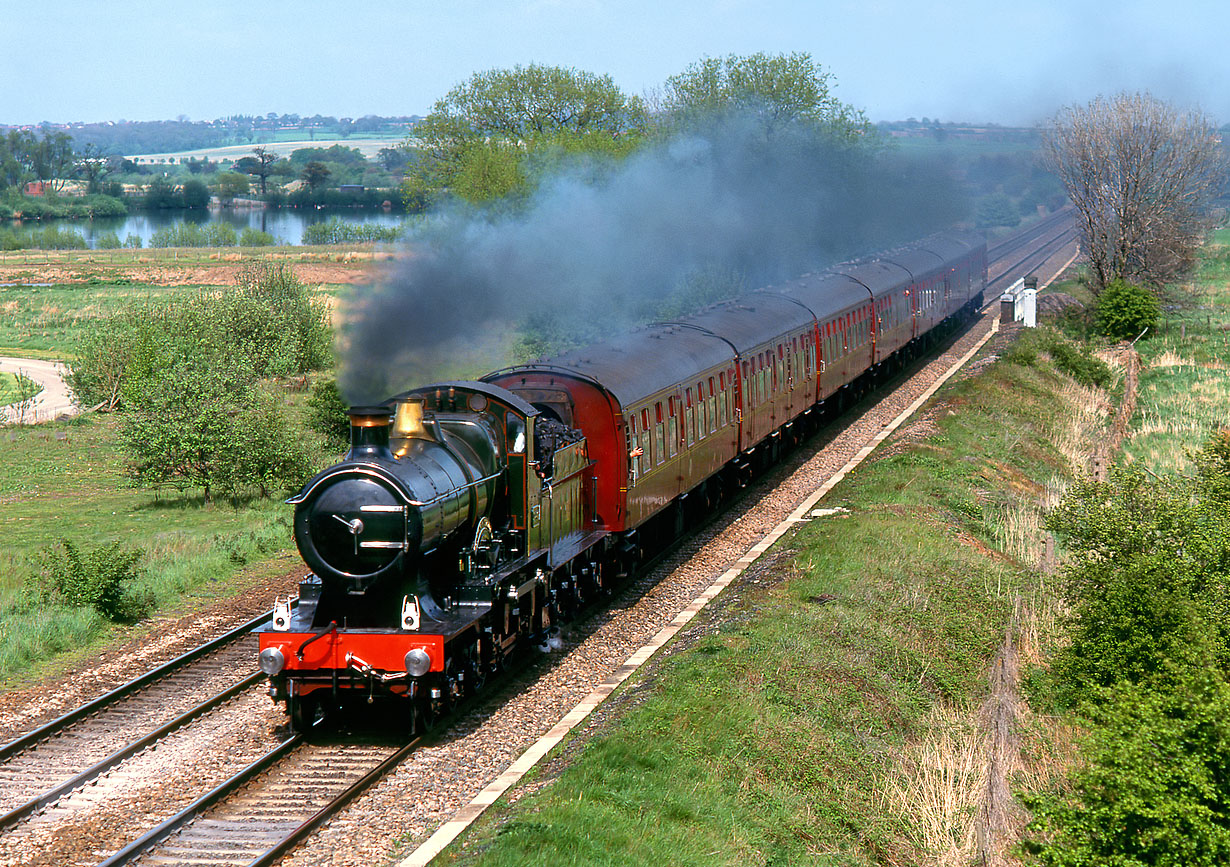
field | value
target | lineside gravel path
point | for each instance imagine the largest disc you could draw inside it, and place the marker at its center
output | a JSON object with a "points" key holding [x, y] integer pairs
{"points": [[441, 778], [56, 398]]}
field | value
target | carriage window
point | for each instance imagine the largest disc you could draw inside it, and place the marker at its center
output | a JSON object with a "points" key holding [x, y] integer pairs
{"points": [[634, 462], [672, 430], [689, 419], [659, 453]]}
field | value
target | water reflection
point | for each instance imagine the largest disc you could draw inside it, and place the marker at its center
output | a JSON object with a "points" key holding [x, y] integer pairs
{"points": [[286, 225]]}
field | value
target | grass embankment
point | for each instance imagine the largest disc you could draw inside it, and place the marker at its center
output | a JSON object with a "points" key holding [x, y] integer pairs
{"points": [[847, 732]]}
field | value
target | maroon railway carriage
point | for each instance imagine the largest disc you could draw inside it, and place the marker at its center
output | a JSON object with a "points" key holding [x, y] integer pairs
{"points": [[469, 517]]}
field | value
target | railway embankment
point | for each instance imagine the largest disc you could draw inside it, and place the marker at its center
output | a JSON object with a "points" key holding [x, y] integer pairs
{"points": [[834, 706]]}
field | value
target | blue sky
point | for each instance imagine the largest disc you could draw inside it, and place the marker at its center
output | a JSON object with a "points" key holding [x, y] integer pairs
{"points": [[1010, 63]]}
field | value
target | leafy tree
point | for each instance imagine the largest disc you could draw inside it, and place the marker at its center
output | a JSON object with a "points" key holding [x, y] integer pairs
{"points": [[92, 167], [1142, 175], [1156, 786], [315, 174], [195, 194], [471, 136], [263, 452], [997, 210], [104, 360], [261, 164], [327, 413], [1124, 311], [160, 194], [52, 160], [231, 184], [776, 89]]}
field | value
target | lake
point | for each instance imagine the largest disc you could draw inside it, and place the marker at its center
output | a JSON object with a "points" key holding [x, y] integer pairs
{"points": [[285, 224]]}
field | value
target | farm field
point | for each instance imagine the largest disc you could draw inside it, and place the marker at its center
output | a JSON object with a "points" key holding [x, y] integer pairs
{"points": [[368, 146], [831, 711]]}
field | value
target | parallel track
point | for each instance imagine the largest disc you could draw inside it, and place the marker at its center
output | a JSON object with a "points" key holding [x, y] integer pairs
{"points": [[262, 812], [43, 766], [1021, 254]]}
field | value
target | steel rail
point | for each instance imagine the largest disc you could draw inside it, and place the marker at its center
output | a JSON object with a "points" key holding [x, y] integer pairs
{"points": [[156, 835], [137, 683], [126, 752], [333, 807]]}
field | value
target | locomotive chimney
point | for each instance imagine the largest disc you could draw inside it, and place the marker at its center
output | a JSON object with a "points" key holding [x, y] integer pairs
{"points": [[369, 433]]}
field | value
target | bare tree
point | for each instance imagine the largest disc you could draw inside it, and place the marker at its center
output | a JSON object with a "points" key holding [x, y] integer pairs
{"points": [[1141, 174]]}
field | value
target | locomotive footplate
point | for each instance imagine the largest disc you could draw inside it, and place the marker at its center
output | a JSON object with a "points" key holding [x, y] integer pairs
{"points": [[334, 648]]}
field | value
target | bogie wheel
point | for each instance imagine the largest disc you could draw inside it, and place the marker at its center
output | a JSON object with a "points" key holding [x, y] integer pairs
{"points": [[303, 712]]}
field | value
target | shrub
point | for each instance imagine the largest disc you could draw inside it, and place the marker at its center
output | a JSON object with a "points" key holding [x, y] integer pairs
{"points": [[1155, 788], [1079, 364], [335, 231], [107, 241], [327, 414], [256, 238], [1124, 310], [1073, 360], [102, 579], [194, 235]]}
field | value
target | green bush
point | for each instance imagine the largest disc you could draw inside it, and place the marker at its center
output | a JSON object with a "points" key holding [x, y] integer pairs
{"points": [[1073, 360], [1123, 311], [1155, 786], [101, 579], [194, 235], [107, 241], [327, 414], [250, 237], [335, 231]]}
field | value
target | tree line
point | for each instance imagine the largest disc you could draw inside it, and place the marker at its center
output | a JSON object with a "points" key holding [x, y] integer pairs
{"points": [[494, 137]]}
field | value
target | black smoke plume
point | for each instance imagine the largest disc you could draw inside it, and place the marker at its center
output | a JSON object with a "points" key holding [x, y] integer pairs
{"points": [[595, 252]]}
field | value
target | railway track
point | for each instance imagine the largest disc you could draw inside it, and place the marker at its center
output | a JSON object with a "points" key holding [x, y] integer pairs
{"points": [[45, 765], [258, 813], [1025, 252]]}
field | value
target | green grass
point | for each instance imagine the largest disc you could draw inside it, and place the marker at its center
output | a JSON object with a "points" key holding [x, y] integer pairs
{"points": [[1185, 382], [808, 734], [48, 321]]}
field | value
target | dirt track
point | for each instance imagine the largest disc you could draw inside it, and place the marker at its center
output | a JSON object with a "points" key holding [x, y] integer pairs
{"points": [[339, 268]]}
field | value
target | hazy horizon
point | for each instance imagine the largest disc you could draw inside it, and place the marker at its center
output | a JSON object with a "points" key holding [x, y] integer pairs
{"points": [[78, 61]]}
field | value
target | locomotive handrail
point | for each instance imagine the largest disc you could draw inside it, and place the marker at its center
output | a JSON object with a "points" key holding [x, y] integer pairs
{"points": [[303, 495]]}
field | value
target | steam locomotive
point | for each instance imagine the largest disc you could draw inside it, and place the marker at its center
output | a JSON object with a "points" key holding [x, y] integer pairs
{"points": [[468, 519]]}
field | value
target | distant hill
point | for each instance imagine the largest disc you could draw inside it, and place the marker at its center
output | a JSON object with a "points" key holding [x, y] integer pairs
{"points": [[168, 137]]}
